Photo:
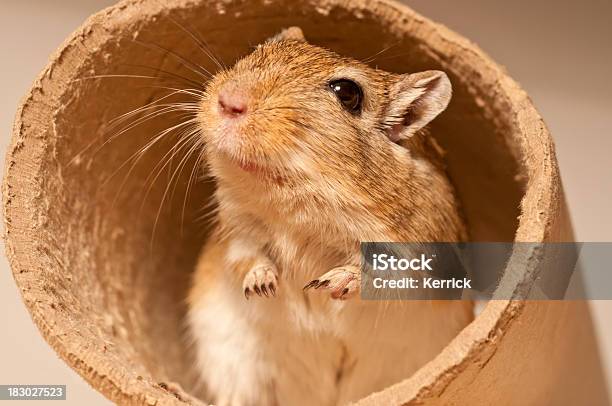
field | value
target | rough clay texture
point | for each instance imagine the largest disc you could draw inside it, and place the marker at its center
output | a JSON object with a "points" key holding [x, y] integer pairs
{"points": [[104, 272]]}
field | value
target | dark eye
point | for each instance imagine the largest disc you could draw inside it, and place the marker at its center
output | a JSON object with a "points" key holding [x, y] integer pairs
{"points": [[349, 93]]}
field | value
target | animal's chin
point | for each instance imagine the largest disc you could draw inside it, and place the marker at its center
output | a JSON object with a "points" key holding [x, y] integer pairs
{"points": [[227, 141], [257, 170]]}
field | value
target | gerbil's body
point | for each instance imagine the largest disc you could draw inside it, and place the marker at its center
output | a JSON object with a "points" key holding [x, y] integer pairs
{"points": [[305, 147]]}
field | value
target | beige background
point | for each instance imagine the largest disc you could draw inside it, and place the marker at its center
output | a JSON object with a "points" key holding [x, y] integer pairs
{"points": [[559, 52]]}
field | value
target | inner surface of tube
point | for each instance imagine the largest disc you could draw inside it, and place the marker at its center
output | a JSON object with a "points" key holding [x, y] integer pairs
{"points": [[132, 241]]}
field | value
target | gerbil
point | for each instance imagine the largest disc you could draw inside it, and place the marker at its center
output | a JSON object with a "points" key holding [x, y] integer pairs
{"points": [[312, 153]]}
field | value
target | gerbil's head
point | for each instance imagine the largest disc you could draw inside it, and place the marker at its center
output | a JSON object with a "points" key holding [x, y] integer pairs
{"points": [[291, 113]]}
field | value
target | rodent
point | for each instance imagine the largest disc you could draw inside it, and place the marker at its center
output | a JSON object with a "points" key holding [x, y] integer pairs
{"points": [[312, 153]]}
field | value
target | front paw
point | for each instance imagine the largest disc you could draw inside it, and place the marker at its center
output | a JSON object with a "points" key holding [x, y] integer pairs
{"points": [[261, 280], [343, 282]]}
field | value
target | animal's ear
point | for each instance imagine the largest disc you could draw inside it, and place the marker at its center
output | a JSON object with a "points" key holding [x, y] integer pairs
{"points": [[291, 33], [416, 99]]}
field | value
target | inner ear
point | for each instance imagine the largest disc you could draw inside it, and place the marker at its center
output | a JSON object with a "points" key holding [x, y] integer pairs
{"points": [[416, 99], [291, 33]]}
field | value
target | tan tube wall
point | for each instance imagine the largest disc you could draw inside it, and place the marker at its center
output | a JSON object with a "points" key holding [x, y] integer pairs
{"points": [[105, 282]]}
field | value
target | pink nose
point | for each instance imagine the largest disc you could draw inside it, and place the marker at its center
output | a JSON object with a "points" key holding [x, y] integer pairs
{"points": [[232, 103]]}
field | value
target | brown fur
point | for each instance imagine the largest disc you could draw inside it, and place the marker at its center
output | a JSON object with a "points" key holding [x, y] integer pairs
{"points": [[280, 78], [292, 110], [301, 182]]}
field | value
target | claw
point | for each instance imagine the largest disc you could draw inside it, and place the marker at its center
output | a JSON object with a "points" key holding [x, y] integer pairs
{"points": [[311, 284], [342, 283], [261, 280]]}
